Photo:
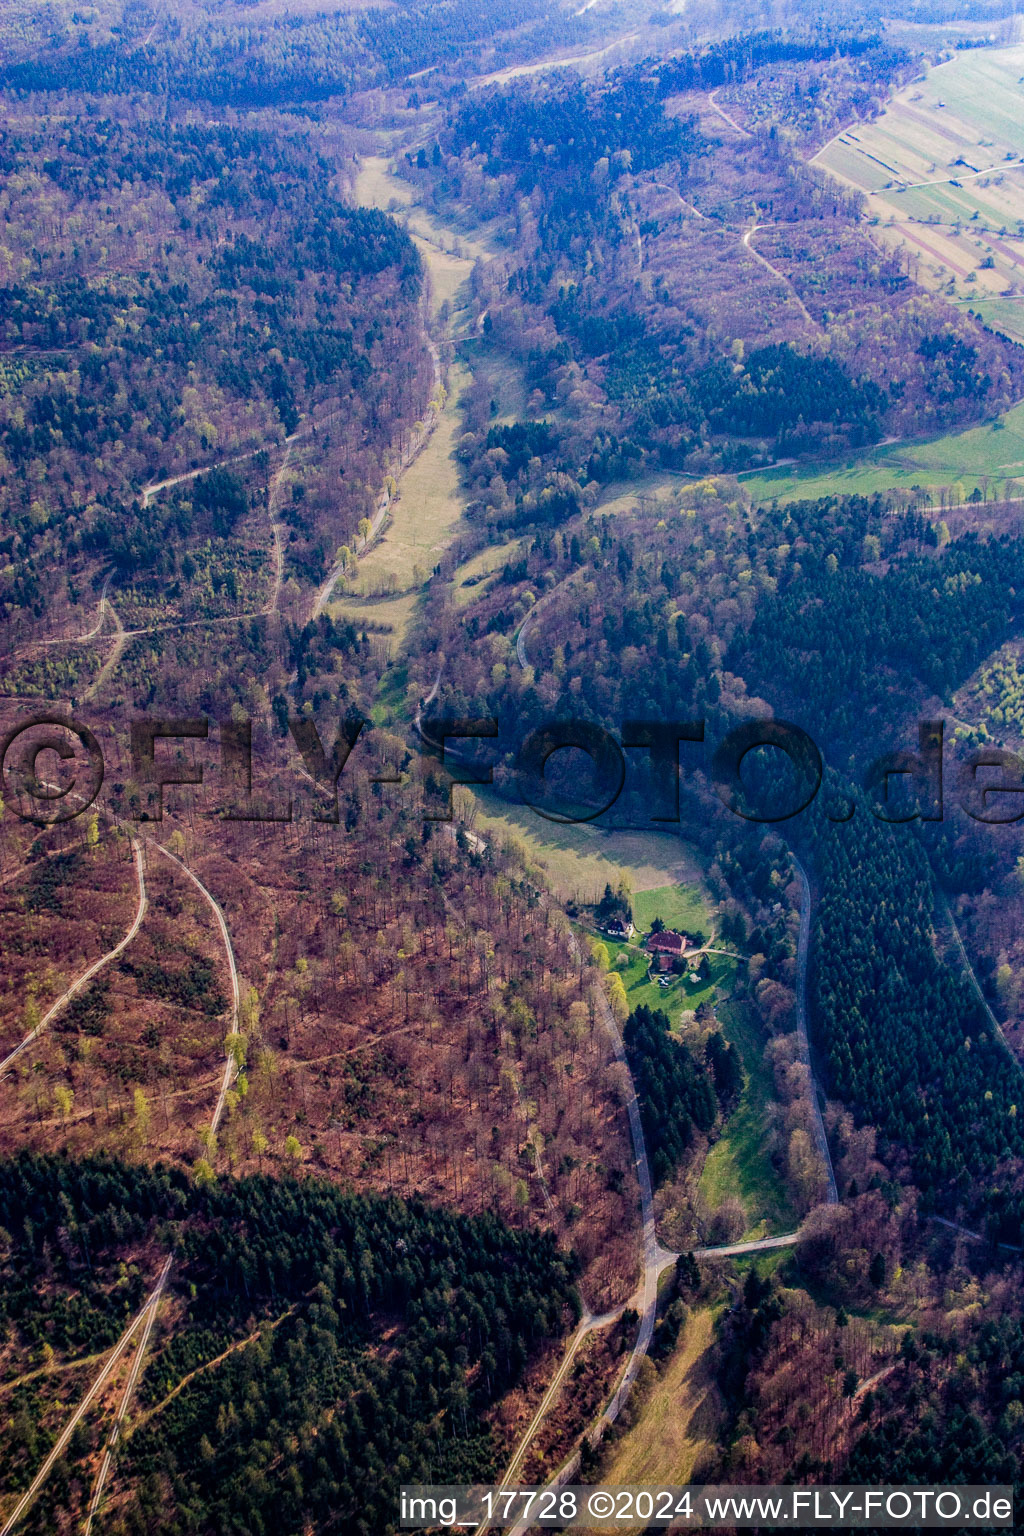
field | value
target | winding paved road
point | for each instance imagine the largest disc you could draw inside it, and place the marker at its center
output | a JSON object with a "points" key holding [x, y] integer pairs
{"points": [[655, 1257]]}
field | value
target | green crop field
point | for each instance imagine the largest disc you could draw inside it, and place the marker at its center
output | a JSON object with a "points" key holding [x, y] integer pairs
{"points": [[1005, 315], [948, 148]]}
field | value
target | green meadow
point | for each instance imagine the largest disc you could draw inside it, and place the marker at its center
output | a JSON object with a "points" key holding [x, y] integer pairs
{"points": [[989, 457], [738, 1165]]}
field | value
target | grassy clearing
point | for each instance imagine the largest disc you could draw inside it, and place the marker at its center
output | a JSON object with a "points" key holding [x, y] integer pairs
{"points": [[919, 164], [580, 860], [505, 383], [679, 906], [624, 495], [427, 513], [738, 1166], [424, 520], [990, 457], [679, 1420], [396, 612], [448, 253], [482, 564]]}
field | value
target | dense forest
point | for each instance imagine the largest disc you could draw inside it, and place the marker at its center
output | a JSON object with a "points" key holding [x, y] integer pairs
{"points": [[677, 1096], [298, 1280], [250, 297]]}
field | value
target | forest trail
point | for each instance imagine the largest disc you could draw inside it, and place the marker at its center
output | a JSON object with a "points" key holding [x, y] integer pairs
{"points": [[872, 1381], [690, 208], [116, 652], [775, 272], [209, 1365], [126, 1397], [421, 435], [976, 985], [213, 904], [512, 1471], [654, 1258], [726, 116], [273, 504], [63, 1440], [91, 635], [87, 975], [50, 1370], [587, 1325], [156, 486], [278, 558], [517, 71], [154, 1304]]}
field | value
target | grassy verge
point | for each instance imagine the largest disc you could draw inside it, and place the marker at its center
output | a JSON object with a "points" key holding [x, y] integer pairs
{"points": [[678, 1420], [738, 1165]]}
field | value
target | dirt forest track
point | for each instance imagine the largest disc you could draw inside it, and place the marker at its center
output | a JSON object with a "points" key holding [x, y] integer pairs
{"points": [[145, 1319], [87, 975], [228, 1076], [60, 1445], [213, 904]]}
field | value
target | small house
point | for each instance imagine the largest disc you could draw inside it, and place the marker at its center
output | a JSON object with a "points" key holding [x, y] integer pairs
{"points": [[666, 948]]}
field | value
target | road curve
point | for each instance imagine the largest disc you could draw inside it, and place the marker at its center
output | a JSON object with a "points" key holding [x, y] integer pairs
{"points": [[779, 276], [531, 615], [727, 116], [757, 1245], [92, 633], [229, 1061], [86, 976], [654, 1258]]}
